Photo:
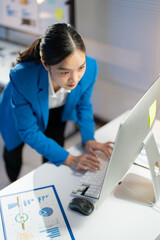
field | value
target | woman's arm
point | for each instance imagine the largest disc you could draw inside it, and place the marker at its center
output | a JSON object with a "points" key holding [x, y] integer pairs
{"points": [[29, 132]]}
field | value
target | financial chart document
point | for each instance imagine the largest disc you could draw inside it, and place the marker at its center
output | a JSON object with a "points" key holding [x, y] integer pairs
{"points": [[36, 214]]}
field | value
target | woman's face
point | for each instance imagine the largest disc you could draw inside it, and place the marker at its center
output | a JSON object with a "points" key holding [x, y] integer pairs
{"points": [[69, 72]]}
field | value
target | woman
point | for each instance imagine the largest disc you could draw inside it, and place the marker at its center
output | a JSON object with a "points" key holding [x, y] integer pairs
{"points": [[51, 83]]}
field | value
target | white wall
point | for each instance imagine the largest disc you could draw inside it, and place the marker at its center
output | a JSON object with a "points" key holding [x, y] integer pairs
{"points": [[124, 37]]}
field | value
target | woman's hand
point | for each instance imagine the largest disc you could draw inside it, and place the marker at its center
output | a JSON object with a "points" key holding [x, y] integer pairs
{"points": [[82, 162], [89, 161], [93, 146]]}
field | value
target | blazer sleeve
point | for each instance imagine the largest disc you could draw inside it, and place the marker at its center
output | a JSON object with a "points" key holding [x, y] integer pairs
{"points": [[84, 109], [28, 130]]}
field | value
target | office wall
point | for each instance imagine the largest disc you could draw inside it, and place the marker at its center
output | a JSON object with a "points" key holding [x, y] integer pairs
{"points": [[124, 37], [23, 21], [33, 17]]}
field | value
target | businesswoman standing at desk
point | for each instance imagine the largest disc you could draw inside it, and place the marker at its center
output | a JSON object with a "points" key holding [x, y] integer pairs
{"points": [[51, 83]]}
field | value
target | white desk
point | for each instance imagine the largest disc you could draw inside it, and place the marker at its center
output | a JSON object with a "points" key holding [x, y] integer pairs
{"points": [[115, 219]]}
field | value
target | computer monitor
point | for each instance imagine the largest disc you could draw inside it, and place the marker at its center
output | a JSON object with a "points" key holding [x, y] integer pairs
{"points": [[135, 132]]}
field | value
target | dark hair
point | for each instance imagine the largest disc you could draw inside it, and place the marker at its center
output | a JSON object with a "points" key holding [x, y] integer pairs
{"points": [[59, 41]]}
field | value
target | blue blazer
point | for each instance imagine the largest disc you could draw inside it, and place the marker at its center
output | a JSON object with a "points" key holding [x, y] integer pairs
{"points": [[24, 109]]}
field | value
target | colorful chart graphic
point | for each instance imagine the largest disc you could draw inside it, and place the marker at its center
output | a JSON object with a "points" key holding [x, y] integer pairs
{"points": [[46, 212], [40, 199], [25, 203], [18, 218], [53, 232], [12, 205]]}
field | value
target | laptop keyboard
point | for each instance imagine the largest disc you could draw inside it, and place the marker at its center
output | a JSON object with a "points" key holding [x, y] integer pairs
{"points": [[91, 182]]}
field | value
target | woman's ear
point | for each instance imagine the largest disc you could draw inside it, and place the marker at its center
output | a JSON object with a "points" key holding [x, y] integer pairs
{"points": [[45, 66]]}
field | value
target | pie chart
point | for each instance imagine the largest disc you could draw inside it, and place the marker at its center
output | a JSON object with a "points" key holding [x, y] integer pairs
{"points": [[46, 212]]}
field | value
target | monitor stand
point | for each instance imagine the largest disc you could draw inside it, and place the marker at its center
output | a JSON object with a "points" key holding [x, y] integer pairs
{"points": [[153, 157], [139, 189]]}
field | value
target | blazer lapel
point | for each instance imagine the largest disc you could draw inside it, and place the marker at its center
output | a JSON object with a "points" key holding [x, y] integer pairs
{"points": [[43, 95], [71, 102]]}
